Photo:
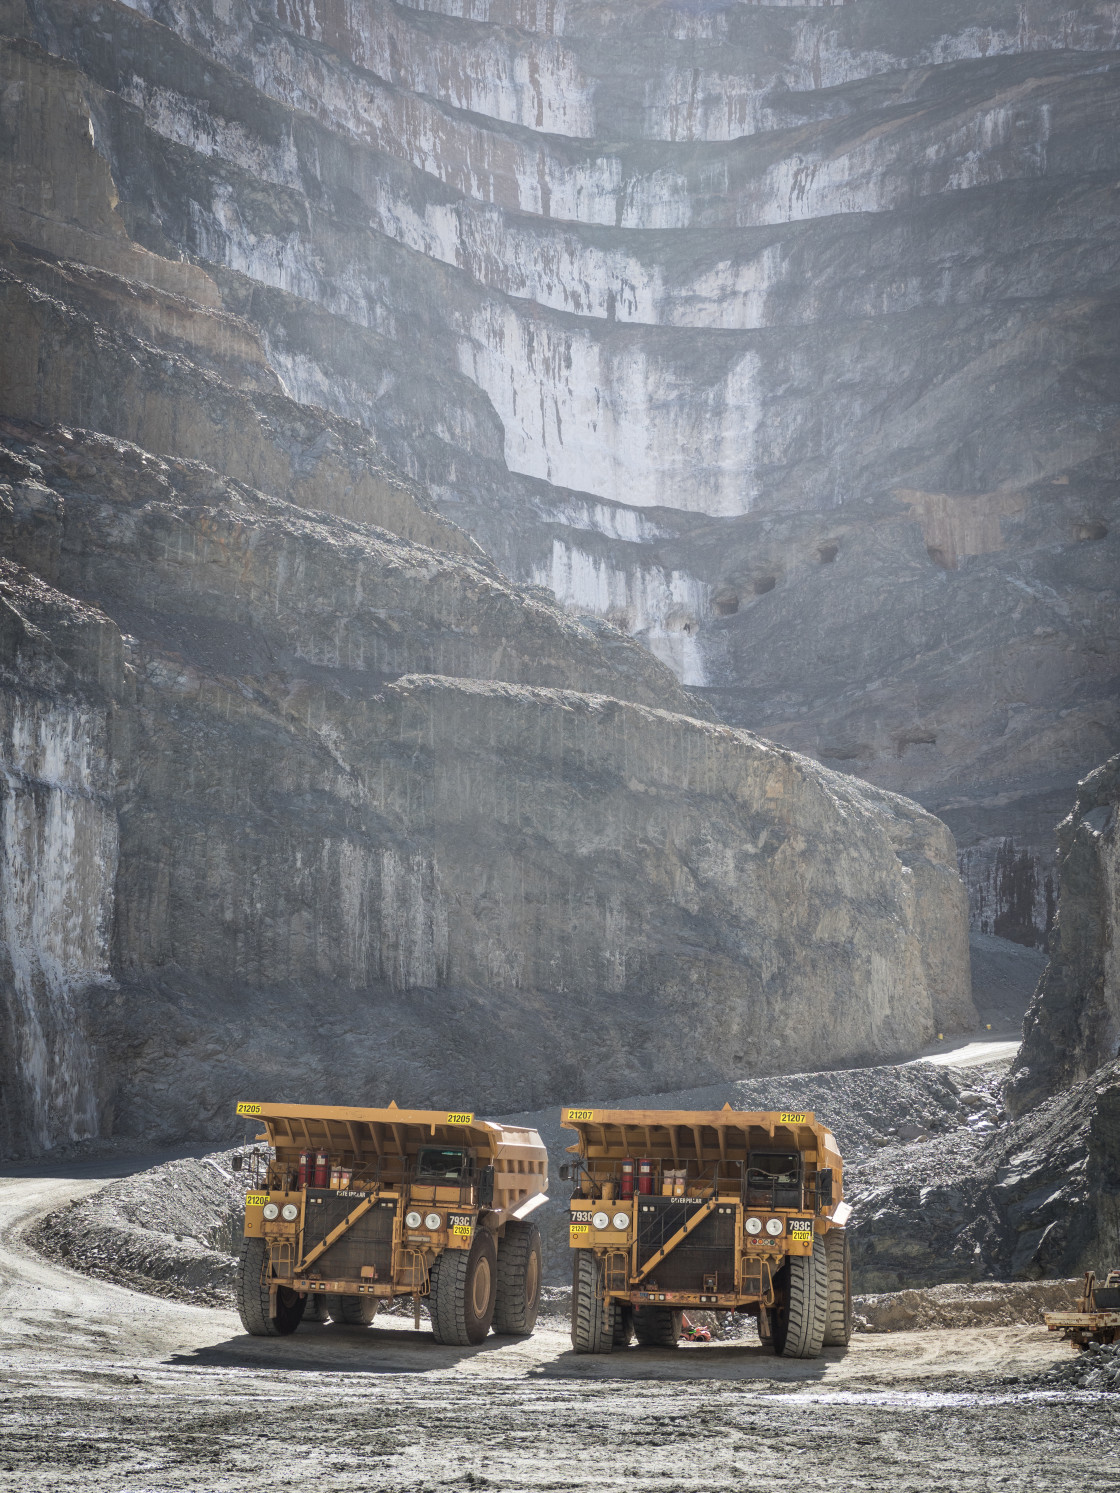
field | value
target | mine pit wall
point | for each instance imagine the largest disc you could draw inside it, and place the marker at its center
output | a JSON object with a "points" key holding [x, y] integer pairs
{"points": [[517, 881], [58, 862], [514, 266], [434, 888], [343, 902]]}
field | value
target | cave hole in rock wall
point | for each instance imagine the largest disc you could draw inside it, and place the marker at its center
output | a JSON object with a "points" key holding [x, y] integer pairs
{"points": [[846, 752], [1089, 530], [908, 739], [765, 583], [827, 553], [726, 604]]}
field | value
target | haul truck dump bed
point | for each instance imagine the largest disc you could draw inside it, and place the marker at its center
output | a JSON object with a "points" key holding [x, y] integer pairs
{"points": [[348, 1207], [716, 1210]]}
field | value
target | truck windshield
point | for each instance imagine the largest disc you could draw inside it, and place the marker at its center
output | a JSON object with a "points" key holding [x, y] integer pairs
{"points": [[774, 1177], [439, 1164]]}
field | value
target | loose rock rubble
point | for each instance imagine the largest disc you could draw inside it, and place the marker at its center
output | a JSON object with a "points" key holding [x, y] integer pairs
{"points": [[171, 1231], [1097, 1367], [992, 1304]]}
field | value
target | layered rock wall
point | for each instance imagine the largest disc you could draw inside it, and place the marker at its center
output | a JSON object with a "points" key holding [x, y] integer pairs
{"points": [[293, 867], [663, 306], [781, 337]]}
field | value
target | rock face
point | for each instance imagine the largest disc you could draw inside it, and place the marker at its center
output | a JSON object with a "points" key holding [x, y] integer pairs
{"points": [[249, 848], [784, 336], [1034, 1198], [304, 794], [1073, 1024]]}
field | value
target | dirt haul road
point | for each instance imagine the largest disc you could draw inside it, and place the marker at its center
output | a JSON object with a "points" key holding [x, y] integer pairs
{"points": [[105, 1388]]}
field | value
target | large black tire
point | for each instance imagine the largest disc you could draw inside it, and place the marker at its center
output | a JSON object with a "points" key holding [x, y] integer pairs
{"points": [[316, 1308], [623, 1334], [838, 1252], [520, 1267], [252, 1295], [592, 1318], [352, 1311], [462, 1288], [658, 1326], [802, 1309]]}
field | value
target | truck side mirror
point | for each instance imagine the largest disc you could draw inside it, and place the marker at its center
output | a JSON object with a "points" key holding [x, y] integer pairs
{"points": [[824, 1187], [237, 1161], [565, 1172], [486, 1187]]}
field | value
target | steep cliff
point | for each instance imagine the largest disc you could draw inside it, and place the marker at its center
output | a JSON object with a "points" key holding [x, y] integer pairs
{"points": [[1031, 1199], [1073, 1025], [247, 847], [305, 792], [785, 336]]}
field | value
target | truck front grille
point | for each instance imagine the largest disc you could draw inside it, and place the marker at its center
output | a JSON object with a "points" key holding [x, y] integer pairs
{"points": [[368, 1243], [707, 1255]]}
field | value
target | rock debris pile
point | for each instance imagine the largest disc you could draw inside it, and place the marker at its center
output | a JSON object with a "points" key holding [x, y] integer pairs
{"points": [[1073, 1024], [172, 1231], [1094, 1367]]}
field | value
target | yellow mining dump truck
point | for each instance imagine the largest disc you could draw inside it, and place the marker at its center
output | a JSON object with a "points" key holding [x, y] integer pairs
{"points": [[348, 1207], [1096, 1316], [713, 1210]]}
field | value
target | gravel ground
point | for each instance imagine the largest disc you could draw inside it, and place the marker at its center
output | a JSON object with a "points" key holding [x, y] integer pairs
{"points": [[103, 1389]]}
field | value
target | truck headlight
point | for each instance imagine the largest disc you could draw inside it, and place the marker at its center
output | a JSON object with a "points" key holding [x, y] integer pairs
{"points": [[433, 1221], [271, 1211], [413, 1219], [621, 1220], [754, 1225], [774, 1227], [289, 1212], [600, 1220]]}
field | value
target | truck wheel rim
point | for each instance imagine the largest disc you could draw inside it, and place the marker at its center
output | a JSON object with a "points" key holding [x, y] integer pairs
{"points": [[480, 1288]]}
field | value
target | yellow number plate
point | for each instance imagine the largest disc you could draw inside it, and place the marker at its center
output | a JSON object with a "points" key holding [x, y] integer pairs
{"points": [[581, 1114], [248, 1109], [579, 1228], [460, 1119], [801, 1236], [787, 1117], [256, 1199], [462, 1229]]}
